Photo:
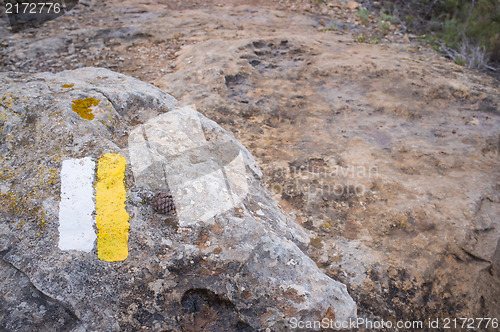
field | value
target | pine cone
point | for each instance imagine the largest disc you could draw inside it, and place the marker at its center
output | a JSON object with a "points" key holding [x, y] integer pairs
{"points": [[163, 203]]}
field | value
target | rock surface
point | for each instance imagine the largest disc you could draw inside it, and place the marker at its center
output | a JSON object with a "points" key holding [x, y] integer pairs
{"points": [[229, 261], [383, 150], [391, 161]]}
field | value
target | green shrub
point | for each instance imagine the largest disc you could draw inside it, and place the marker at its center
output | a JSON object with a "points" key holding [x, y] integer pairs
{"points": [[388, 18], [384, 27], [364, 15], [466, 30]]}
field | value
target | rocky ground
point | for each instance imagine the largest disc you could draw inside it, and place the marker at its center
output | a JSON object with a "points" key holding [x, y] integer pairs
{"points": [[384, 151]]}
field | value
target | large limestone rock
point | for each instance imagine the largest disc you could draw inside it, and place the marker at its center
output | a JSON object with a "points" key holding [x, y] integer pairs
{"points": [[229, 260]]}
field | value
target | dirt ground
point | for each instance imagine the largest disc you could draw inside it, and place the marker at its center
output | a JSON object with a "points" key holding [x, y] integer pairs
{"points": [[385, 151]]}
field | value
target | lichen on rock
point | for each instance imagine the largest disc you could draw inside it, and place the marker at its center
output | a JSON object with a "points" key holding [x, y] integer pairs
{"points": [[82, 107]]}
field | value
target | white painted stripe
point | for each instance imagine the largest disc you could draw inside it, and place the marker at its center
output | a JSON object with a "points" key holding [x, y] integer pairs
{"points": [[76, 230]]}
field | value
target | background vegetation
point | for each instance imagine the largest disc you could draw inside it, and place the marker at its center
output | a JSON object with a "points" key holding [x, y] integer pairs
{"points": [[467, 31]]}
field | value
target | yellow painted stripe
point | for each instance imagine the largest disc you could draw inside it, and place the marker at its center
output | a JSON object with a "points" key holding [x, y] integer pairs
{"points": [[111, 216]]}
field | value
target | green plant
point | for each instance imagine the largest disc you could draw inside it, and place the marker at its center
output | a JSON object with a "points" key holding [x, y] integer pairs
{"points": [[470, 56], [361, 39], [387, 17], [384, 27], [364, 15], [331, 27], [467, 31], [460, 60]]}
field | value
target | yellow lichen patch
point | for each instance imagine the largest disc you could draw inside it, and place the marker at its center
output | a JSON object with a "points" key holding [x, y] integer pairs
{"points": [[82, 107], [23, 206], [27, 203], [67, 86], [7, 101], [111, 216]]}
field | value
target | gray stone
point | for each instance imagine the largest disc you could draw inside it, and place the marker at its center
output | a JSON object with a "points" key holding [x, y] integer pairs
{"points": [[496, 260], [230, 259]]}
